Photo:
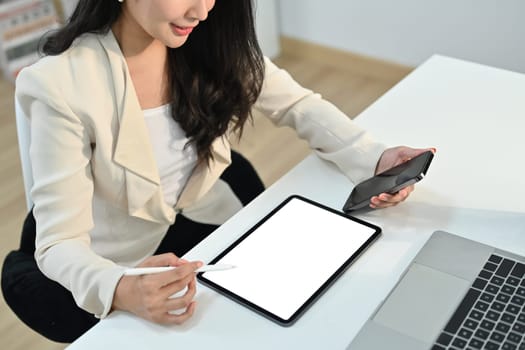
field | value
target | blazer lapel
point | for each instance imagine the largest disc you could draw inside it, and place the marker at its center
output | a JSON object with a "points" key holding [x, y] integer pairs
{"points": [[133, 149]]}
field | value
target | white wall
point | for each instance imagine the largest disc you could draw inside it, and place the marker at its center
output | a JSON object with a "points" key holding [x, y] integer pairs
{"points": [[68, 6], [267, 27], [409, 31]]}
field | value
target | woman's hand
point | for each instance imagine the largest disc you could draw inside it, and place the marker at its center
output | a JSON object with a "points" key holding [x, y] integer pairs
{"points": [[390, 158], [148, 296]]}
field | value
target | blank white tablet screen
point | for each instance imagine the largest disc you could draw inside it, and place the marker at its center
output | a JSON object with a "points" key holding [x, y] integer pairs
{"points": [[285, 260]]}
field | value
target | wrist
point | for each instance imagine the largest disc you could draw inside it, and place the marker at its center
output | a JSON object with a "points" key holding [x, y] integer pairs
{"points": [[121, 294]]}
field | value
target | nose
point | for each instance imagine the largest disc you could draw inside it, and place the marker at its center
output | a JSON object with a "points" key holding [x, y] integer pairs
{"points": [[200, 9]]}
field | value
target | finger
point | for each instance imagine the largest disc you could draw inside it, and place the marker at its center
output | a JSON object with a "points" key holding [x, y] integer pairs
{"points": [[406, 153], [166, 259], [173, 288], [377, 202], [399, 196], [183, 301], [374, 202], [177, 304], [181, 262], [410, 153], [402, 194], [180, 318], [181, 273], [385, 198], [409, 189], [192, 288], [178, 275], [384, 205]]}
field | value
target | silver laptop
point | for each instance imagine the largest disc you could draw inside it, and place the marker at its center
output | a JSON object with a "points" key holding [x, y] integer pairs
{"points": [[456, 294]]}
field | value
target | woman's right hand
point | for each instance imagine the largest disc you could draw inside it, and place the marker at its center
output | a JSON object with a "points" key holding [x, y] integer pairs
{"points": [[148, 296]]}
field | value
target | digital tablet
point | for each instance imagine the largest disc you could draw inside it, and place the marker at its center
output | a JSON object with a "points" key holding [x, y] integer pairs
{"points": [[289, 258]]}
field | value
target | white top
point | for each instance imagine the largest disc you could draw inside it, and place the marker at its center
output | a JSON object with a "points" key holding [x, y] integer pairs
{"points": [[174, 161]]}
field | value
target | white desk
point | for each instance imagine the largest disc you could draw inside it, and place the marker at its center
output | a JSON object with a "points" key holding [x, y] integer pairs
{"points": [[475, 116], [445, 103]]}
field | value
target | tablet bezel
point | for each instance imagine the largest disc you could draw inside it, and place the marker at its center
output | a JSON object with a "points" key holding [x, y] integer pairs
{"points": [[322, 288]]}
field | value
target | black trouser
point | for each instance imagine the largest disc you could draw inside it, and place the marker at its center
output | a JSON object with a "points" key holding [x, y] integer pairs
{"points": [[49, 309]]}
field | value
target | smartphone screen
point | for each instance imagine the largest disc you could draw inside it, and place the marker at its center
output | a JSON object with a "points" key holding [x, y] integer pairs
{"points": [[389, 181]]}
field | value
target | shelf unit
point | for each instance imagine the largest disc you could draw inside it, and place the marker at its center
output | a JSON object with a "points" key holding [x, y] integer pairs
{"points": [[22, 24]]}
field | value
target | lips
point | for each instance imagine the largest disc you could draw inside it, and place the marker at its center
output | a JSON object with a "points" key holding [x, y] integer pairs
{"points": [[181, 31]]}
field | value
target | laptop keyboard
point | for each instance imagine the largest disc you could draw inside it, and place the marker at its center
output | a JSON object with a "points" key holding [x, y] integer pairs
{"points": [[492, 313]]}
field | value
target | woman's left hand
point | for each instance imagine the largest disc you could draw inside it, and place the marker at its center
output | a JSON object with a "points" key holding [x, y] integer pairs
{"points": [[390, 158]]}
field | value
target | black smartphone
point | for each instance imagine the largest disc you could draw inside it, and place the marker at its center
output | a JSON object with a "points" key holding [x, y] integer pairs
{"points": [[389, 181]]}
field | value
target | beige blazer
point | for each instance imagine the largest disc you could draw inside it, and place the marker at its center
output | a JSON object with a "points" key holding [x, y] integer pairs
{"points": [[98, 202]]}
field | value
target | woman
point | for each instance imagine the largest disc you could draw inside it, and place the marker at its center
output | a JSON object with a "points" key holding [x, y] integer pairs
{"points": [[131, 113]]}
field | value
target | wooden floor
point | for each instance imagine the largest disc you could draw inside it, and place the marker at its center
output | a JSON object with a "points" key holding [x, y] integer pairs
{"points": [[350, 82]]}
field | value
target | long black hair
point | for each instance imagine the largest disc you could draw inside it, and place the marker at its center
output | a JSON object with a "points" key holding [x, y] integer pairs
{"points": [[214, 78]]}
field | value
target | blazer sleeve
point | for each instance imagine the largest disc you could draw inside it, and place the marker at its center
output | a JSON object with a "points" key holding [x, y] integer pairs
{"points": [[331, 133], [60, 153]]}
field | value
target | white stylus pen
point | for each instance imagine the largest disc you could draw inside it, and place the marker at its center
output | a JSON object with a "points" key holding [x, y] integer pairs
{"points": [[149, 270]]}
